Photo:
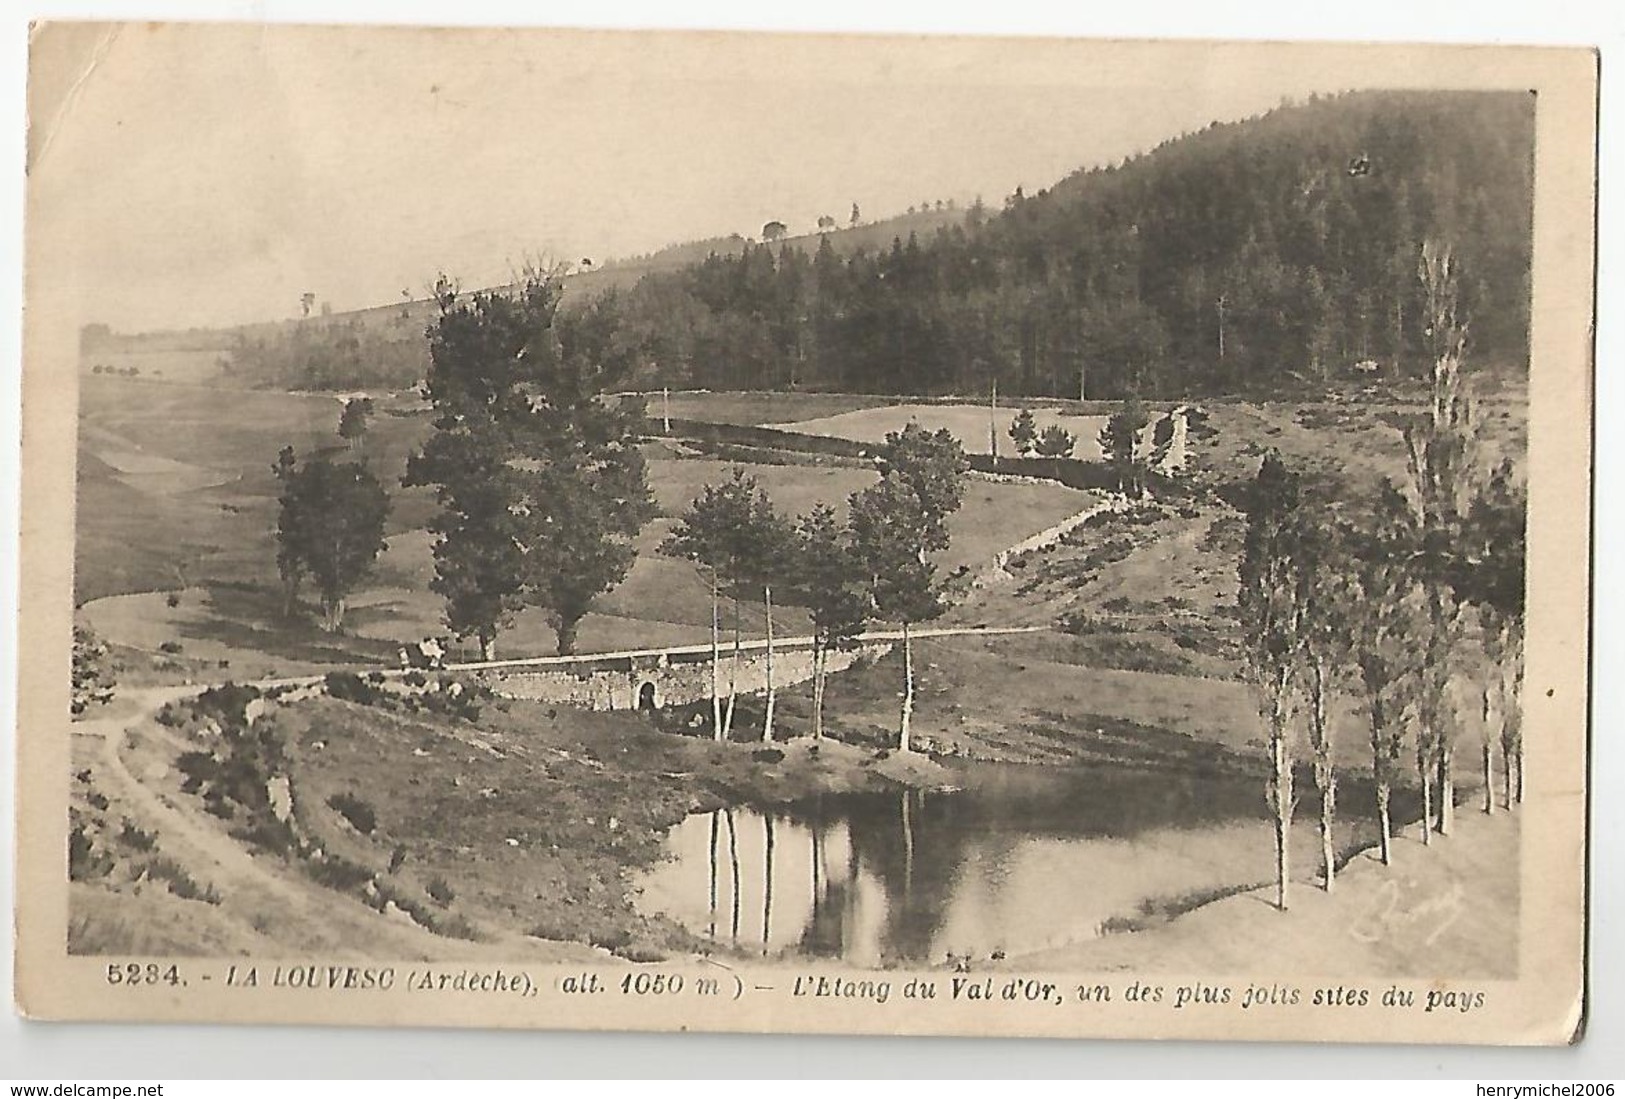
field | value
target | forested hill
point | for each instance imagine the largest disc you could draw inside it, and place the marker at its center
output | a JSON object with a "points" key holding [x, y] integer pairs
{"points": [[1239, 259], [1227, 260]]}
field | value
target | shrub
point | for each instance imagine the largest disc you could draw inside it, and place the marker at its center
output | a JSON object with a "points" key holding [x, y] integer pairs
{"points": [[173, 599], [271, 835], [172, 648], [228, 702], [767, 755], [179, 882], [134, 836], [338, 872], [441, 892], [349, 687], [361, 816], [84, 861], [455, 926]]}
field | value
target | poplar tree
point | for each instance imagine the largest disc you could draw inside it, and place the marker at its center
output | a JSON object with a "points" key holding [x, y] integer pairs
{"points": [[1388, 627], [1271, 604], [828, 584]]}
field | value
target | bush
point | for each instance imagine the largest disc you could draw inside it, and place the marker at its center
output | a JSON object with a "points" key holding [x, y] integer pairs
{"points": [[361, 816], [84, 861], [271, 835], [338, 872], [441, 892], [173, 599], [349, 687], [134, 836], [180, 883], [228, 702], [172, 648]]}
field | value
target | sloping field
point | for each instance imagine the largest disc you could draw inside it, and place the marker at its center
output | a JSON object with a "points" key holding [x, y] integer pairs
{"points": [[970, 424], [176, 495]]}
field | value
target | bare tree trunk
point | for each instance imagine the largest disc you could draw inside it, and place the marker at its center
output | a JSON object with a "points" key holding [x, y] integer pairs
{"points": [[1489, 757], [1506, 777], [566, 632], [1325, 774], [1385, 828], [290, 595], [733, 679], [1328, 809], [1425, 773], [908, 690], [767, 719], [1447, 789], [1518, 789], [1282, 783], [716, 661], [488, 645], [818, 690]]}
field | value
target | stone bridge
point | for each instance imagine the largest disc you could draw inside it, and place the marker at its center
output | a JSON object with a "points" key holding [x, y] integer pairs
{"points": [[678, 675]]}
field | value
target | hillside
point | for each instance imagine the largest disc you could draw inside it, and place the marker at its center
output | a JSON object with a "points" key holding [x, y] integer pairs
{"points": [[383, 345], [1250, 256]]}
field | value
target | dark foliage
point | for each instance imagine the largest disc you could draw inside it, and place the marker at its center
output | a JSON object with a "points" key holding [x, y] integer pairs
{"points": [[1236, 259]]}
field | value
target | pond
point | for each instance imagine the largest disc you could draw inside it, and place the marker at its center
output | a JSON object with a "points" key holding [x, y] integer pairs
{"points": [[1020, 860]]}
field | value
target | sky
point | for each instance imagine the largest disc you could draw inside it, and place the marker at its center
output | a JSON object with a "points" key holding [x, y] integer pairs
{"points": [[199, 175]]}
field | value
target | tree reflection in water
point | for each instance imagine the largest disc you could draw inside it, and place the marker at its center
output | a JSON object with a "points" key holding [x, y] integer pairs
{"points": [[1018, 861]]}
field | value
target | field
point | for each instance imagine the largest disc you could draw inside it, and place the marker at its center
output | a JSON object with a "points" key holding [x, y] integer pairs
{"points": [[178, 506], [970, 424], [1132, 663]]}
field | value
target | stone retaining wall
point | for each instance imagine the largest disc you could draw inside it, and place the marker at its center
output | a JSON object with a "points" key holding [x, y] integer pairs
{"points": [[673, 682]]}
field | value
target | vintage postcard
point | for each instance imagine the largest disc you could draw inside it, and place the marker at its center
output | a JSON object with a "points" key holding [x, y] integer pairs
{"points": [[754, 532]]}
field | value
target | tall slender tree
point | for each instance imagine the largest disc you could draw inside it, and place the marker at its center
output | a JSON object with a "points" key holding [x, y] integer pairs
{"points": [[1440, 450], [1271, 603], [828, 583], [1388, 625], [1326, 602], [1494, 575], [732, 530]]}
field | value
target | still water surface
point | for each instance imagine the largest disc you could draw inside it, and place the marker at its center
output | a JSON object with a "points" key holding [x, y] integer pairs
{"points": [[1021, 860]]}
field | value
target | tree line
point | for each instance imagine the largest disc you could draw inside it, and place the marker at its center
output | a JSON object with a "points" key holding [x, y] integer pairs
{"points": [[1238, 259], [1393, 609], [1230, 260], [878, 565]]}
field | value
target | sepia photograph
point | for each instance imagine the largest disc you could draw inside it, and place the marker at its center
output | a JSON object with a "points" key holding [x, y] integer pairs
{"points": [[806, 533]]}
